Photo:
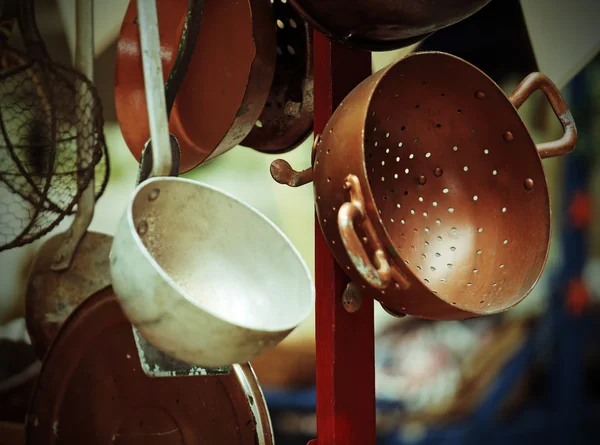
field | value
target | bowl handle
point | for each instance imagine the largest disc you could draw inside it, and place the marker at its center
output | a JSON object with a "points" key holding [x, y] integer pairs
{"points": [[378, 273], [283, 173], [538, 81]]}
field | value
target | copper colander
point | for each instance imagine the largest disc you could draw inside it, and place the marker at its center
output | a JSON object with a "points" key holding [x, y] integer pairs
{"points": [[430, 190]]}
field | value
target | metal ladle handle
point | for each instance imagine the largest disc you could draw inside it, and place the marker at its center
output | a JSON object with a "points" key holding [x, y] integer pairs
{"points": [[155, 88], [538, 81], [187, 44], [84, 62]]}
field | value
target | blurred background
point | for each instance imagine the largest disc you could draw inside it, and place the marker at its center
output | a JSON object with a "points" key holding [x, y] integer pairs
{"points": [[495, 379]]}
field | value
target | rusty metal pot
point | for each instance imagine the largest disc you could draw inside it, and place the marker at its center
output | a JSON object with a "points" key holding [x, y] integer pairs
{"points": [[227, 82], [92, 390], [430, 190], [287, 119], [383, 25]]}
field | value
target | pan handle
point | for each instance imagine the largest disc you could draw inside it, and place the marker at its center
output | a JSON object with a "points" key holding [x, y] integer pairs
{"points": [[377, 273], [538, 81]]}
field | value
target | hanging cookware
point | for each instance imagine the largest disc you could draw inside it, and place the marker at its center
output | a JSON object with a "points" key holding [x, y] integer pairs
{"points": [[51, 140], [430, 190], [73, 265], [92, 390], [287, 119], [189, 263], [384, 25], [226, 85]]}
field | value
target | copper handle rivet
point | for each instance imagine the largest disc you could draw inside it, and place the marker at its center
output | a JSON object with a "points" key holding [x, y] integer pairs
{"points": [[422, 180], [508, 136], [153, 194], [480, 95], [142, 228], [438, 172], [528, 184]]}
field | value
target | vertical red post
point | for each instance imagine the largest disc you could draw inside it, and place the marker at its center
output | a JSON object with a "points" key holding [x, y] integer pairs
{"points": [[345, 342]]}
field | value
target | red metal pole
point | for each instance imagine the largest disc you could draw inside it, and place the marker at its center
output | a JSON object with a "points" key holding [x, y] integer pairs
{"points": [[345, 341]]}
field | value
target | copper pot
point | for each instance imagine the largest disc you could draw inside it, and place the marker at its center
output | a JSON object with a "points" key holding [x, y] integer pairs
{"points": [[383, 25], [227, 82], [430, 190]]}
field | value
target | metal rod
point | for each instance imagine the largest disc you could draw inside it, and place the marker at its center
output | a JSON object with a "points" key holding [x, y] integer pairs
{"points": [[84, 62], [155, 88]]}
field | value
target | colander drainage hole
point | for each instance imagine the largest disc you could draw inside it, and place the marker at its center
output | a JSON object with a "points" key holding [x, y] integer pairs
{"points": [[291, 50], [445, 190], [382, 179], [501, 266], [412, 211], [293, 24], [427, 229], [376, 144], [424, 213], [480, 230], [475, 197], [469, 284], [432, 269], [439, 238], [451, 210], [486, 151], [421, 198], [453, 249], [387, 150], [419, 267], [438, 126], [405, 192], [397, 158], [459, 110], [426, 280], [449, 265], [435, 203], [505, 241], [426, 243], [398, 205], [395, 175], [411, 156], [503, 209], [479, 252], [416, 140], [455, 148], [400, 144], [406, 171], [427, 155], [453, 230], [280, 24], [438, 221], [443, 280], [403, 128], [382, 163], [482, 301], [466, 168], [387, 135], [438, 254]]}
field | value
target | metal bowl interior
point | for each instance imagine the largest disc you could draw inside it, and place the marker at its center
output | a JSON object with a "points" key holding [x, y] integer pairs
{"points": [[222, 255], [465, 205]]}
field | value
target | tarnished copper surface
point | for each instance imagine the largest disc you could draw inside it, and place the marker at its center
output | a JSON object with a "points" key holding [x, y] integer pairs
{"points": [[428, 163], [383, 25], [226, 85], [92, 390], [52, 296], [287, 119]]}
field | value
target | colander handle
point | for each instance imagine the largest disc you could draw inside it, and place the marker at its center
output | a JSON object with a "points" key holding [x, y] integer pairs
{"points": [[538, 81], [378, 273]]}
